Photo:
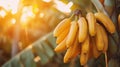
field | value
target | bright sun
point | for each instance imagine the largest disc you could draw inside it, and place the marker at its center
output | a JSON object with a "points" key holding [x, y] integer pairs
{"points": [[10, 5]]}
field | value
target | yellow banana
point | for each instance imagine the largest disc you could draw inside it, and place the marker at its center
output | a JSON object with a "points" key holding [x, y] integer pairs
{"points": [[85, 51], [82, 23], [61, 47], [83, 58], [62, 36], [61, 26], [72, 33], [85, 45], [72, 51], [91, 23], [96, 53], [105, 38], [99, 38], [107, 22]]}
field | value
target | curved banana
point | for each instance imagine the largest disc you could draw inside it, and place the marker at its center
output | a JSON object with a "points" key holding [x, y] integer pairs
{"points": [[105, 38], [84, 56], [62, 36], [82, 23], [107, 22], [61, 47], [72, 33], [96, 53], [91, 23], [99, 38], [72, 51], [61, 26]]}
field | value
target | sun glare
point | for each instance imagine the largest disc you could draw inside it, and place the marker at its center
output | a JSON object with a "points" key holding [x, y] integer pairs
{"points": [[13, 21], [41, 15], [27, 14], [65, 8], [2, 13], [10, 5], [46, 0]]}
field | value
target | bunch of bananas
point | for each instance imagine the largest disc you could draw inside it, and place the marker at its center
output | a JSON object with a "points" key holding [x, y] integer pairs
{"points": [[84, 36]]}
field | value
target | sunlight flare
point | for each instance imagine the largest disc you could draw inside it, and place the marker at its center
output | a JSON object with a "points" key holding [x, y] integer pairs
{"points": [[10, 5], [65, 8]]}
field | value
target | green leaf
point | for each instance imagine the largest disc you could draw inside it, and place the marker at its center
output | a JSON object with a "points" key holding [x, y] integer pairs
{"points": [[109, 5], [112, 48], [40, 51], [51, 39], [8, 64], [48, 50], [27, 58], [43, 47], [15, 62]]}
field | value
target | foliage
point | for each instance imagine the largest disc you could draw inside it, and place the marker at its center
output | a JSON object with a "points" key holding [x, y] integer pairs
{"points": [[43, 48]]}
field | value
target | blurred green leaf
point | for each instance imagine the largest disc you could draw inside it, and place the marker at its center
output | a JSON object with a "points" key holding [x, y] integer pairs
{"points": [[15, 62], [8, 64], [40, 51], [27, 58], [112, 48], [52, 40], [48, 49], [43, 47], [109, 5]]}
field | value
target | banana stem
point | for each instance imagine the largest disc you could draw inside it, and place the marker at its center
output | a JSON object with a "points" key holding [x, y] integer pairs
{"points": [[78, 12], [72, 16], [106, 59], [76, 18]]}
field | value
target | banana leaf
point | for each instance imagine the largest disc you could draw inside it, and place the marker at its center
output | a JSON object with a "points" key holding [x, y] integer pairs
{"points": [[43, 48]]}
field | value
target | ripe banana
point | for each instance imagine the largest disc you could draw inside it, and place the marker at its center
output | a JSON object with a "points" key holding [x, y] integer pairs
{"points": [[96, 53], [62, 46], [72, 33], [105, 38], [107, 22], [99, 38], [91, 23], [82, 23], [83, 58], [62, 36], [61, 26], [74, 36], [85, 51], [72, 51]]}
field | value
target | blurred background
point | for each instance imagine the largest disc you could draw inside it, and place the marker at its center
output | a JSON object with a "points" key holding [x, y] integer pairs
{"points": [[22, 22]]}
